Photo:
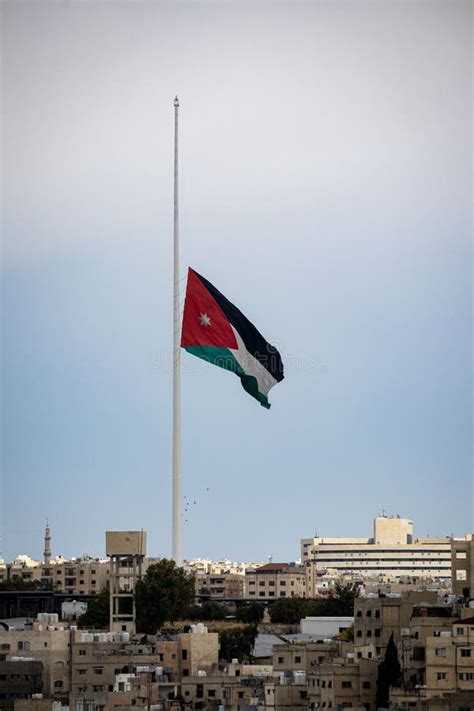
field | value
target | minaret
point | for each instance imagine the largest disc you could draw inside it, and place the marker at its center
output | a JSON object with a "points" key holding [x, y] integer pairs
{"points": [[47, 544]]}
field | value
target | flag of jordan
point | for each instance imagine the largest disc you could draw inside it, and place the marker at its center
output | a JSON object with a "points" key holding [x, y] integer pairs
{"points": [[215, 330]]}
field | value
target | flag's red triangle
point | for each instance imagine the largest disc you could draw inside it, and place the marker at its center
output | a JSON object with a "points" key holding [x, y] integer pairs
{"points": [[204, 322]]}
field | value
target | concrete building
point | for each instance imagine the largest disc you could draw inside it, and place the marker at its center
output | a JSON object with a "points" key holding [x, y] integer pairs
{"points": [[377, 618], [462, 564], [443, 668], [126, 550], [274, 580], [98, 659], [291, 657], [19, 679], [342, 683], [228, 586], [391, 553], [47, 642]]}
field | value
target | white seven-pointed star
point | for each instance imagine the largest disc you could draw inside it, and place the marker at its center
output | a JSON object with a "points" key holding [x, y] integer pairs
{"points": [[205, 320]]}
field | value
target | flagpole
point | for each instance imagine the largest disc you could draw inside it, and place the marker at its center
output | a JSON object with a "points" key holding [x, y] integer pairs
{"points": [[176, 528]]}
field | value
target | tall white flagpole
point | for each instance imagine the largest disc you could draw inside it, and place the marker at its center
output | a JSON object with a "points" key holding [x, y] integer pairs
{"points": [[176, 545]]}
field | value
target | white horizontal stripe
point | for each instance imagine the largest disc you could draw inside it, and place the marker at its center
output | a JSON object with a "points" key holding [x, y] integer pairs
{"points": [[251, 366]]}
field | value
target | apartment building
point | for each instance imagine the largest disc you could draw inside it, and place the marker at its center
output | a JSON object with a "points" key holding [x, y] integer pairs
{"points": [[97, 660], [228, 586], [342, 683], [390, 553], [462, 564], [448, 668], [275, 580], [376, 618], [289, 658], [47, 643], [19, 679]]}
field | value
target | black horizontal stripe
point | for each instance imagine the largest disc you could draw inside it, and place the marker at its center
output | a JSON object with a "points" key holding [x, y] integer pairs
{"points": [[255, 343]]}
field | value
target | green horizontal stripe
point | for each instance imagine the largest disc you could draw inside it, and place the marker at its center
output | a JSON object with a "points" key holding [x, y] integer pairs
{"points": [[223, 358]]}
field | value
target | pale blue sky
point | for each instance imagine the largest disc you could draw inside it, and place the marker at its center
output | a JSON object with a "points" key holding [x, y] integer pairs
{"points": [[326, 189]]}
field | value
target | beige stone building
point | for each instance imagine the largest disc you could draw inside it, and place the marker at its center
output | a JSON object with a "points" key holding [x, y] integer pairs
{"points": [[444, 668], [392, 552], [45, 642], [275, 580], [376, 618], [303, 656], [343, 682], [97, 662], [228, 586]]}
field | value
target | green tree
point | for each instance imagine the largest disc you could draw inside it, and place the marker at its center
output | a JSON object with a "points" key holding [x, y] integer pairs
{"points": [[237, 643], [250, 613], [343, 597], [347, 635], [17, 583], [289, 610], [97, 613], [162, 596], [207, 611], [389, 674]]}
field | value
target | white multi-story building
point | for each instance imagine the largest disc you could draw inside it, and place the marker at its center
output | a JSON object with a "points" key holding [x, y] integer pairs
{"points": [[391, 553]]}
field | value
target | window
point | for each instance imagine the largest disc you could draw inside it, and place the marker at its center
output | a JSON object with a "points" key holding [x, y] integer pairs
{"points": [[330, 684], [440, 651], [461, 555], [466, 676], [369, 633], [184, 654], [97, 671], [199, 691], [82, 652], [359, 633], [369, 613], [282, 593], [262, 583], [366, 684], [465, 652], [185, 672], [441, 676], [282, 582], [460, 630], [346, 685], [280, 660], [377, 632], [271, 593], [261, 594], [359, 613], [240, 694], [271, 583], [81, 672], [58, 684], [211, 693], [97, 689], [297, 660], [377, 614]]}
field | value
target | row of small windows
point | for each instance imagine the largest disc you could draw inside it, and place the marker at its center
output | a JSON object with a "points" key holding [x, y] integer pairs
{"points": [[357, 565], [396, 551]]}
